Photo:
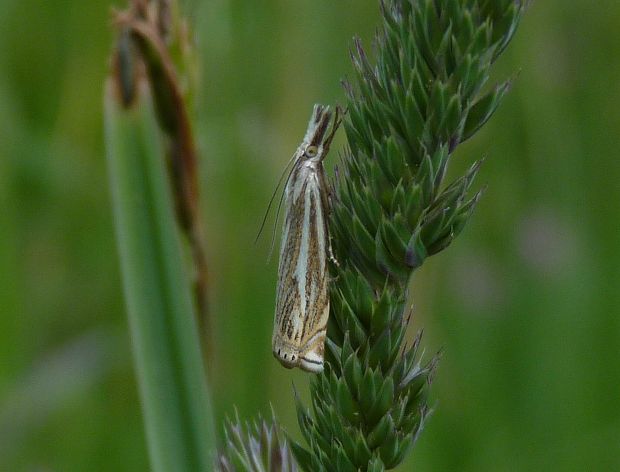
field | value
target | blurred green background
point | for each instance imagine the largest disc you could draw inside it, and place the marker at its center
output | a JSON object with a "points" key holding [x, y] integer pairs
{"points": [[526, 303]]}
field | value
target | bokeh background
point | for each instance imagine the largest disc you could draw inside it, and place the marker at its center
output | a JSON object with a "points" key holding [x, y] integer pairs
{"points": [[525, 304]]}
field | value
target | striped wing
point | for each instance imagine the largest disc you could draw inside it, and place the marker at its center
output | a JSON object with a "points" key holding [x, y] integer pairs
{"points": [[302, 303]]}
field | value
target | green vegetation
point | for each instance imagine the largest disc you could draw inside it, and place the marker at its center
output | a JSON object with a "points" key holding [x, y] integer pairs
{"points": [[392, 210], [524, 304], [162, 320]]}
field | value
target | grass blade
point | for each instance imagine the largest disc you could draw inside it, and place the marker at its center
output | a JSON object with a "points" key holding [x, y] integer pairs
{"points": [[162, 321]]}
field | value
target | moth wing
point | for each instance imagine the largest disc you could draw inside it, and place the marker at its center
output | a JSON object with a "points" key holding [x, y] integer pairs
{"points": [[289, 314]]}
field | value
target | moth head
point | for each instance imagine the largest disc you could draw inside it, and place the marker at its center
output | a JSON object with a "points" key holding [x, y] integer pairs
{"points": [[311, 151], [321, 130]]}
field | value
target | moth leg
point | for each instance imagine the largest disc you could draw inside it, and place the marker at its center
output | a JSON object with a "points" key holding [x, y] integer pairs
{"points": [[333, 279], [331, 253], [328, 205]]}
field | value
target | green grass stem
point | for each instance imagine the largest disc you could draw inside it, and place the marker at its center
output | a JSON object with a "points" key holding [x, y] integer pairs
{"points": [[165, 341]]}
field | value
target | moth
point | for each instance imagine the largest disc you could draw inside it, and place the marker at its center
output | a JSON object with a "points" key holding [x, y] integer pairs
{"points": [[302, 299]]}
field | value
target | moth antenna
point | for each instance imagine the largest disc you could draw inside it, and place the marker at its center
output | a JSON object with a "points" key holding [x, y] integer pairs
{"points": [[273, 196], [275, 224]]}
